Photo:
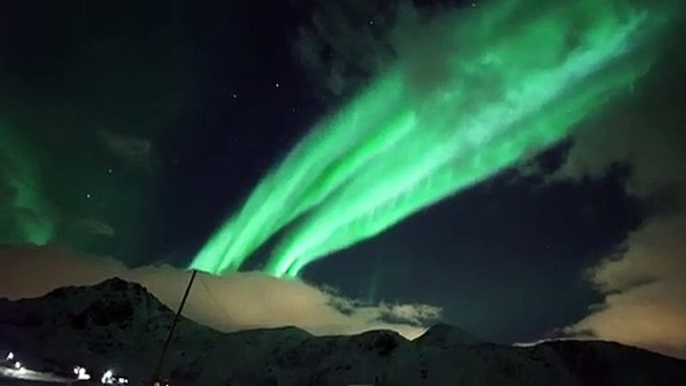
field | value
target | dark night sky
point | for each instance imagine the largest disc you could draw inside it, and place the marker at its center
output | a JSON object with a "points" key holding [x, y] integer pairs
{"points": [[150, 121]]}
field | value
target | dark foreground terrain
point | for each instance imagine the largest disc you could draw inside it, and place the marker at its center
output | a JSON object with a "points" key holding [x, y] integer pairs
{"points": [[119, 325]]}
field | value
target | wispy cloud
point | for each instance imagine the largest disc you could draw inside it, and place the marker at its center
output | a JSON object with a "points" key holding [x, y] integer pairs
{"points": [[136, 152], [96, 227]]}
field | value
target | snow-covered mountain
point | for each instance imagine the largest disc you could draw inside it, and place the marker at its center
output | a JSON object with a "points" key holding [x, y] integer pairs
{"points": [[119, 325]]}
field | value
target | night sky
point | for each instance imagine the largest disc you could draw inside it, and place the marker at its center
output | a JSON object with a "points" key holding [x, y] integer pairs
{"points": [[142, 125]]}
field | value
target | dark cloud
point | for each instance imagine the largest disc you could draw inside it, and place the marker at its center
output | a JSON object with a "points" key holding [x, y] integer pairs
{"points": [[345, 43], [644, 131], [348, 42]]}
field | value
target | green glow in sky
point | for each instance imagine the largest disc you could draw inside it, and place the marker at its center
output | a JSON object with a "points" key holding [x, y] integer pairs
{"points": [[497, 85], [24, 214]]}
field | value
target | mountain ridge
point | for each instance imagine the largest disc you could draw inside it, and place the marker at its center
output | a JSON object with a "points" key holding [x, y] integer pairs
{"points": [[118, 324]]}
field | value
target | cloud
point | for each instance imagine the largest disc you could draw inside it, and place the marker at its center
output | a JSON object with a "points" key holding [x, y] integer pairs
{"points": [[96, 227], [647, 138], [344, 43], [348, 42], [645, 132], [644, 282], [137, 152], [645, 290], [237, 301]]}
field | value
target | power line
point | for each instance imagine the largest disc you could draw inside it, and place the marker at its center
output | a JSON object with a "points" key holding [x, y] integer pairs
{"points": [[216, 301]]}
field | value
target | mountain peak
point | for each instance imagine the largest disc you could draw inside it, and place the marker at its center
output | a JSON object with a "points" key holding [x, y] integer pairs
{"points": [[113, 286], [117, 284], [446, 335], [112, 302]]}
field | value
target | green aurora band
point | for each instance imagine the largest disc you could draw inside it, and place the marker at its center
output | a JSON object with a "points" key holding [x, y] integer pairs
{"points": [[516, 77], [27, 216]]}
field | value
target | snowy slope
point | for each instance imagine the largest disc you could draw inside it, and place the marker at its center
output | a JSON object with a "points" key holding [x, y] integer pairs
{"points": [[119, 325]]}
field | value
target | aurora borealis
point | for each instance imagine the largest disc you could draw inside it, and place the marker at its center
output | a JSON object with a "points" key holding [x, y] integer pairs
{"points": [[29, 217], [411, 139], [343, 142]]}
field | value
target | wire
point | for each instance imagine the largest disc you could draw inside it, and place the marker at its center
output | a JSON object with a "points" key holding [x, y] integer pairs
{"points": [[216, 301]]}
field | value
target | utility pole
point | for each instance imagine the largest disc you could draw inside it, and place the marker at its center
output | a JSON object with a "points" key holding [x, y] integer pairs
{"points": [[158, 370]]}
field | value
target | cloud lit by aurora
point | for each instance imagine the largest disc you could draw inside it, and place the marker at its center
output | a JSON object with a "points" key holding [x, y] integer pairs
{"points": [[508, 79]]}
